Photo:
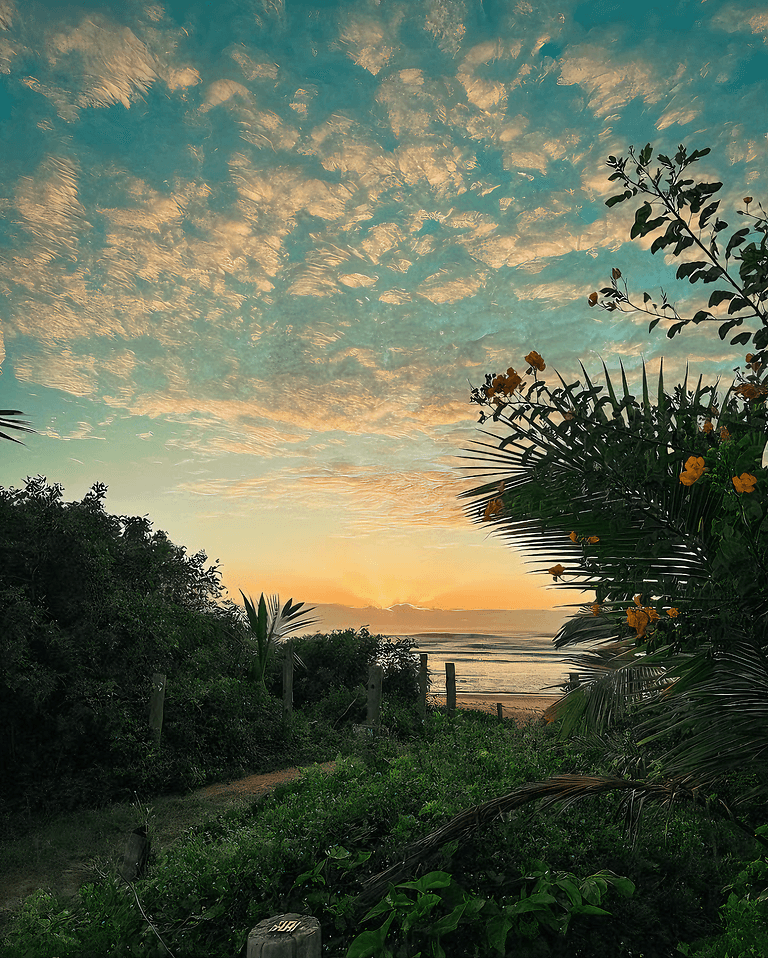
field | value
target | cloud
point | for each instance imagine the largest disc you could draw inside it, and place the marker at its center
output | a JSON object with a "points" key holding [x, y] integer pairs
{"points": [[736, 18], [610, 82], [50, 208], [112, 63], [366, 44], [363, 499]]}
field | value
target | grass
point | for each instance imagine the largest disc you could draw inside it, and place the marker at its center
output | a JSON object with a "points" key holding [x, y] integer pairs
{"points": [[221, 875]]}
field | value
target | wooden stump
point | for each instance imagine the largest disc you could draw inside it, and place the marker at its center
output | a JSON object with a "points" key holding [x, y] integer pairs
{"points": [[423, 681], [156, 701], [285, 936], [375, 675], [450, 687], [136, 855]]}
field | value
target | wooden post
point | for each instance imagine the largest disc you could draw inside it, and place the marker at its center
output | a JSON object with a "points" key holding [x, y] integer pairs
{"points": [[423, 677], [285, 936], [156, 700], [375, 674], [288, 680], [500, 711], [136, 854], [450, 687]]}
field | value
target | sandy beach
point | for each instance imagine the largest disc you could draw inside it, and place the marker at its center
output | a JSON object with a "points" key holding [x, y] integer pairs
{"points": [[517, 705]]}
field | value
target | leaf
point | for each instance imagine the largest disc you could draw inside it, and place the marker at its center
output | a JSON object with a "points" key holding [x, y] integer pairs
{"points": [[641, 217], [686, 269], [736, 240], [741, 340], [719, 296], [426, 882], [707, 212], [571, 889], [370, 944]]}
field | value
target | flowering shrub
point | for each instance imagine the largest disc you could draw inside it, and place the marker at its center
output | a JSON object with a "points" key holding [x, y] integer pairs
{"points": [[657, 502]]}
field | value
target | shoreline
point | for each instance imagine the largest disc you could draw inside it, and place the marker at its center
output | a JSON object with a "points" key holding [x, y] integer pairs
{"points": [[523, 704]]}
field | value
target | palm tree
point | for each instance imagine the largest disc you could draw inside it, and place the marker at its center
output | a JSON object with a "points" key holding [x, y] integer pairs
{"points": [[269, 625], [7, 424], [594, 482]]}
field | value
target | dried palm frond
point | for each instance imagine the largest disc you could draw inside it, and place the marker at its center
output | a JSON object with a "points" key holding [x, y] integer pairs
{"points": [[561, 789]]}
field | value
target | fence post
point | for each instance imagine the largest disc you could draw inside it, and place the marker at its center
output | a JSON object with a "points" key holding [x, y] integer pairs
{"points": [[423, 674], [156, 700], [375, 674], [450, 687], [500, 711], [288, 680], [285, 936], [136, 854]]}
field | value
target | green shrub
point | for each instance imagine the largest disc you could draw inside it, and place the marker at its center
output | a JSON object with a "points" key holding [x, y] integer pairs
{"points": [[341, 659]]}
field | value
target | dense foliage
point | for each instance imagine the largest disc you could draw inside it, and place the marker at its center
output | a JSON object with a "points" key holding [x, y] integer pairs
{"points": [[528, 879], [92, 605]]}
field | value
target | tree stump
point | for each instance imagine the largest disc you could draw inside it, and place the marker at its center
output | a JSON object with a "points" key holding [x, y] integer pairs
{"points": [[136, 854], [285, 936]]}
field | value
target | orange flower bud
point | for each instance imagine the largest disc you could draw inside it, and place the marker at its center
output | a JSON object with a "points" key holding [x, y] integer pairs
{"points": [[592, 299], [747, 200], [534, 359], [694, 470], [556, 570], [616, 273], [573, 537], [746, 482], [494, 508]]}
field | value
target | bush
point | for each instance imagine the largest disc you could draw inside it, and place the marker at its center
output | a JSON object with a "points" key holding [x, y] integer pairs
{"points": [[340, 660]]}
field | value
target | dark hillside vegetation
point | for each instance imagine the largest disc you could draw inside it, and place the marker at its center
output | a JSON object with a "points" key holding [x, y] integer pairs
{"points": [[91, 606]]}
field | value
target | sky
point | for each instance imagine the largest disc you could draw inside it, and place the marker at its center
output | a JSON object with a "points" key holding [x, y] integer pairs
{"points": [[253, 254]]}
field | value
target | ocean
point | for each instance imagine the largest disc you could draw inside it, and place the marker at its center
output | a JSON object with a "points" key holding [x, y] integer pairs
{"points": [[516, 662]]}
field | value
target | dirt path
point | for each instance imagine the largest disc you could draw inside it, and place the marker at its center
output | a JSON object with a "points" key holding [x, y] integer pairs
{"points": [[63, 854]]}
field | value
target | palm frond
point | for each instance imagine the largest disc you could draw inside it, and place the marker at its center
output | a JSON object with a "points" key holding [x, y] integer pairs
{"points": [[719, 700], [563, 790], [574, 475], [22, 426]]}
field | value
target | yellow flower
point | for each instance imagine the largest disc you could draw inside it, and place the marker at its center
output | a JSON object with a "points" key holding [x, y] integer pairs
{"points": [[672, 613], [707, 427], [494, 508], [724, 434], [556, 570], [748, 391], [638, 619], [573, 537], [535, 360], [694, 469], [595, 608], [745, 482], [593, 539]]}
